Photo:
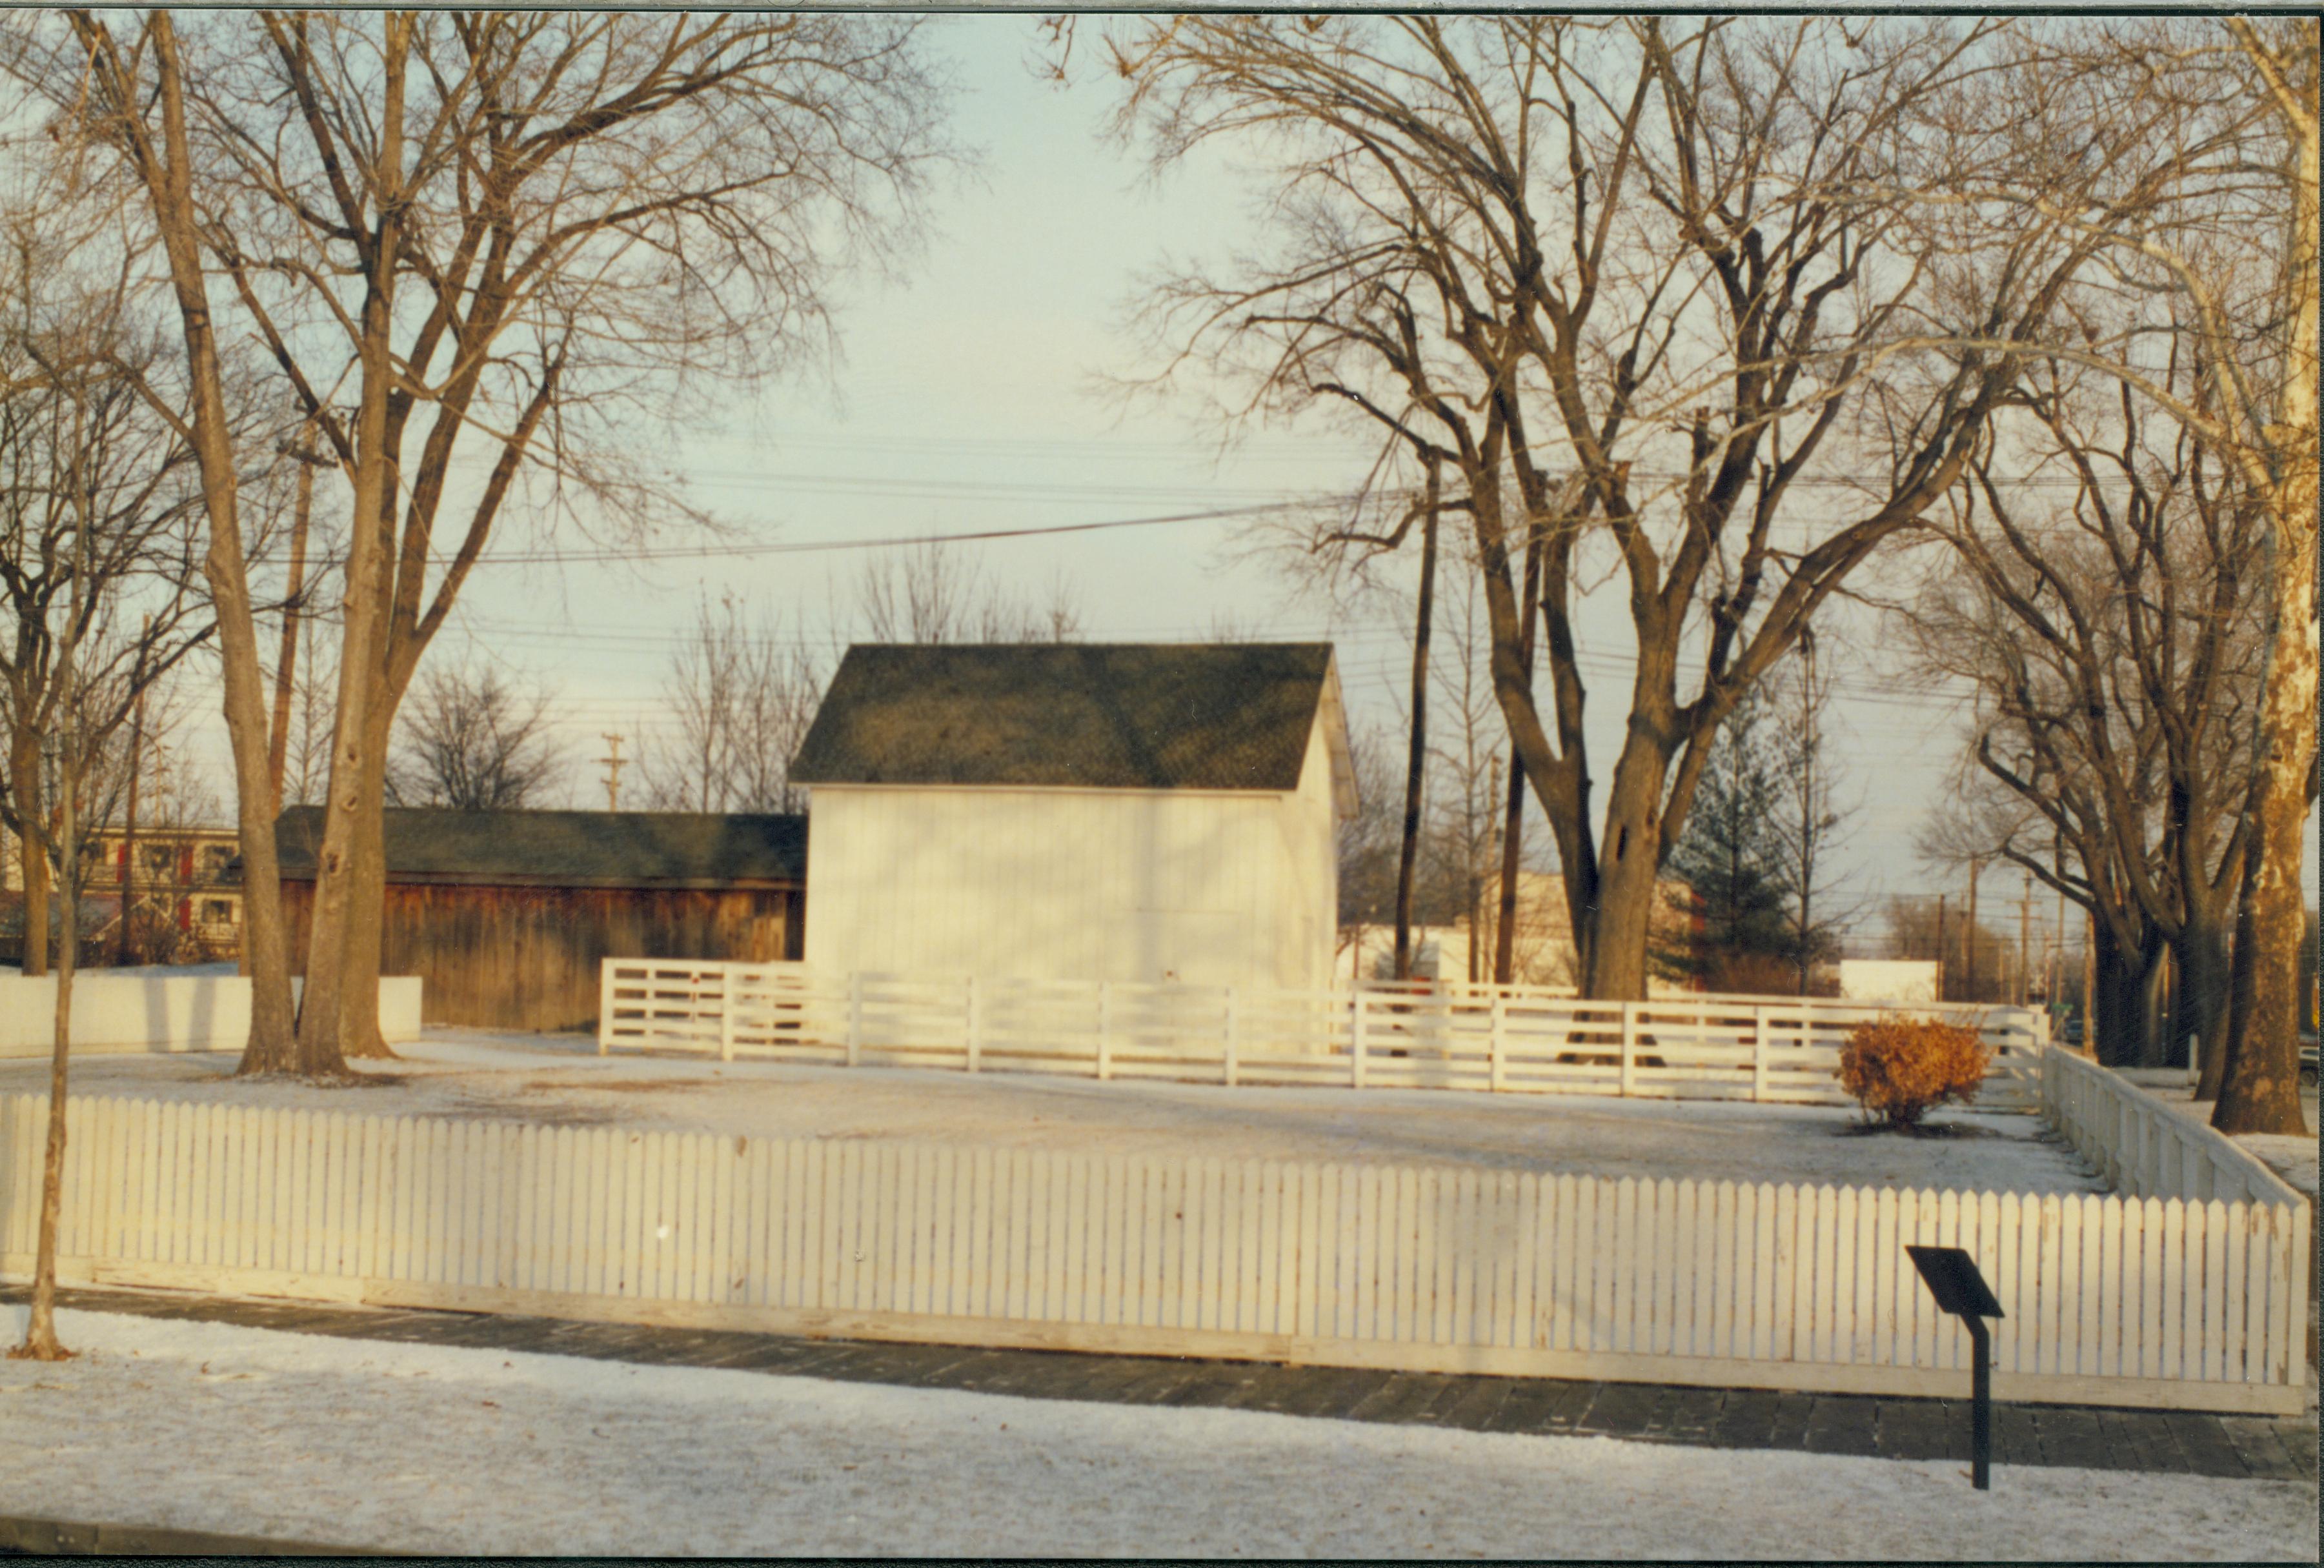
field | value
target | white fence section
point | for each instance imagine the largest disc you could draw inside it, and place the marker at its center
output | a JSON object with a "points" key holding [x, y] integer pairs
{"points": [[2146, 1147], [2109, 1300], [1503, 1038], [150, 1010]]}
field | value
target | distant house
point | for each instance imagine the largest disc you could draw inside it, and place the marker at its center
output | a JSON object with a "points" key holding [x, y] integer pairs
{"points": [[189, 909], [506, 915], [1542, 951], [1128, 812]]}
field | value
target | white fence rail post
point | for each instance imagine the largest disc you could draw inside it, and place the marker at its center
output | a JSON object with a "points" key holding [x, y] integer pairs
{"points": [[727, 980], [1759, 1026], [606, 970], [1500, 1040], [1356, 1043], [1629, 1046]]}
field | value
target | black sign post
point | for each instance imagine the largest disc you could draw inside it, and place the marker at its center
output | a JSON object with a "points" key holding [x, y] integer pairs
{"points": [[1952, 1277]]}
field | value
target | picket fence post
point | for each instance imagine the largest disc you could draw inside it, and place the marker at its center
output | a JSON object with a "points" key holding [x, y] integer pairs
{"points": [[1356, 1043], [854, 1018], [1105, 1030], [1234, 1037], [1758, 1054], [975, 1026], [1629, 1045]]}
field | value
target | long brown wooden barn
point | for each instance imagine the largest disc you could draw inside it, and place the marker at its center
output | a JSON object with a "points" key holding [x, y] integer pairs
{"points": [[505, 915]]}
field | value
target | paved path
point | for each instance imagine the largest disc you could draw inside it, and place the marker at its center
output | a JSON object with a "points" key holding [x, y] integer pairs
{"points": [[2030, 1434]]}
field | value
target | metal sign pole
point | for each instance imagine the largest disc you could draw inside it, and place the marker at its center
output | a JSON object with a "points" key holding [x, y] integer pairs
{"points": [[1980, 1409], [1961, 1291]]}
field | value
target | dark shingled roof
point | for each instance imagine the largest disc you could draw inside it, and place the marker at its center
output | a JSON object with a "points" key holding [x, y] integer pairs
{"points": [[1115, 716], [569, 849]]}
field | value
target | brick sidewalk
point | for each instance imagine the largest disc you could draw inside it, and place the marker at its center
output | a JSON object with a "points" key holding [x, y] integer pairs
{"points": [[2241, 1446]]}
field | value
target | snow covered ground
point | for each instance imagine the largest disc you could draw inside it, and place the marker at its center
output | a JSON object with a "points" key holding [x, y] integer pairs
{"points": [[560, 1079], [436, 1450]]}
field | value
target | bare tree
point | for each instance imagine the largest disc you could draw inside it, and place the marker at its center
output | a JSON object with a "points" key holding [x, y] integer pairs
{"points": [[2113, 635], [1624, 282], [2185, 156], [506, 237], [471, 741], [932, 592], [740, 693], [98, 515]]}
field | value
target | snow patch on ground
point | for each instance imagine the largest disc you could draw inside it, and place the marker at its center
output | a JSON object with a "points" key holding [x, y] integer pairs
{"points": [[560, 1080], [440, 1450]]}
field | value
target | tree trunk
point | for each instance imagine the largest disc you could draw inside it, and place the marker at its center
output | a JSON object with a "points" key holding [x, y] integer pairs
{"points": [[2261, 1090], [2203, 995], [1630, 869], [339, 875], [168, 184], [359, 1035], [25, 784]]}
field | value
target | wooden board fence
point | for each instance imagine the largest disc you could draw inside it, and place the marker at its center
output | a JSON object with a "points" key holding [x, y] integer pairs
{"points": [[2142, 1302], [1513, 1039]]}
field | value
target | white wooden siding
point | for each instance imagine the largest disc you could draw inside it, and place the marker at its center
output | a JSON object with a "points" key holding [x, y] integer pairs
{"points": [[1211, 887], [2196, 1305]]}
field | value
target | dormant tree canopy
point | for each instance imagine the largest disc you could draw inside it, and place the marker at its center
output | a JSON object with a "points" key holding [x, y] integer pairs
{"points": [[1631, 287]]}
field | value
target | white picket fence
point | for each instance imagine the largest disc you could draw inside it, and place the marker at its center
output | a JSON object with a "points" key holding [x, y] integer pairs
{"points": [[2146, 1147], [2109, 1300], [1518, 1039]]}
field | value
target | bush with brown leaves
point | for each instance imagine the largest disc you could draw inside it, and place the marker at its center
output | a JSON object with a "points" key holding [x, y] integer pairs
{"points": [[1902, 1069]]}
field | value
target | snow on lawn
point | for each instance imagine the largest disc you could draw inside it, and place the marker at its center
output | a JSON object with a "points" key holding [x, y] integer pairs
{"points": [[560, 1079], [435, 1450]]}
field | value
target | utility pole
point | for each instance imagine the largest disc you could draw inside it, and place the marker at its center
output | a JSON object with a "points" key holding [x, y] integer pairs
{"points": [[1940, 946], [1968, 946], [1416, 761], [2090, 985], [129, 819], [2025, 950], [613, 765], [278, 744]]}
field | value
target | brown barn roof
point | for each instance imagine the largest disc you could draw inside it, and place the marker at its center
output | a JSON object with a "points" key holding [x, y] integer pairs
{"points": [[1094, 715], [568, 849]]}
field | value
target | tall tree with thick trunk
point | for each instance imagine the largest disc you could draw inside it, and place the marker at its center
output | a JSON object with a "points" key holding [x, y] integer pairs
{"points": [[1624, 282], [115, 96]]}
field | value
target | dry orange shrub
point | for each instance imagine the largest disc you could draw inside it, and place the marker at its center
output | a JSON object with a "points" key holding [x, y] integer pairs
{"points": [[1900, 1070]]}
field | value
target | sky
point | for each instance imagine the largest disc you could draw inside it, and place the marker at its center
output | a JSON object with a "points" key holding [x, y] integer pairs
{"points": [[969, 398]]}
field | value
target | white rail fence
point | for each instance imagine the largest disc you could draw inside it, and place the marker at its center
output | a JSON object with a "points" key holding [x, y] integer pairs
{"points": [[2110, 1300], [1502, 1039], [2146, 1147]]}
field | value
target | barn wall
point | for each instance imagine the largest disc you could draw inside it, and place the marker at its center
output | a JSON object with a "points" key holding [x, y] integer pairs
{"points": [[1210, 887], [528, 958]]}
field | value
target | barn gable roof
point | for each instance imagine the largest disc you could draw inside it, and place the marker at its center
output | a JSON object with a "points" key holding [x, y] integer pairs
{"points": [[1134, 716], [569, 849]]}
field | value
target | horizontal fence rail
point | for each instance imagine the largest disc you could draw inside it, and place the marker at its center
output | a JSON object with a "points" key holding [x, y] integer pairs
{"points": [[2146, 1147], [1501, 1038], [2166, 1303]]}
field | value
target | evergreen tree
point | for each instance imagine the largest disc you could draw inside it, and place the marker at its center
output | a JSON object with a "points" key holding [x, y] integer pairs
{"points": [[1732, 856]]}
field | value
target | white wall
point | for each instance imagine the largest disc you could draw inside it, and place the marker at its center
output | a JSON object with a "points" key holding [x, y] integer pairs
{"points": [[1888, 979], [1210, 887], [154, 1011]]}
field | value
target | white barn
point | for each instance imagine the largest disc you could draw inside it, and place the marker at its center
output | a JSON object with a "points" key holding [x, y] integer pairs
{"points": [[1078, 811]]}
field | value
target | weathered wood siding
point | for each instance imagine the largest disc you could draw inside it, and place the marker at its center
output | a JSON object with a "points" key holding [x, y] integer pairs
{"points": [[1206, 887], [528, 958]]}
